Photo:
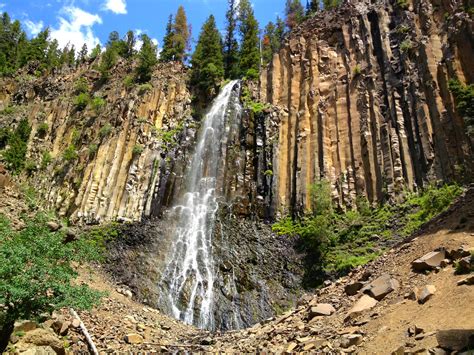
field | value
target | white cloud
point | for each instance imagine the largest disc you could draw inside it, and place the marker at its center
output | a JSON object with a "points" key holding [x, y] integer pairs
{"points": [[33, 28], [2, 5], [116, 6], [76, 28]]}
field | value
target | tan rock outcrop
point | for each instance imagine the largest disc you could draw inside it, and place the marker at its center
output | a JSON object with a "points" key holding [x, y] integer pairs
{"points": [[365, 103]]}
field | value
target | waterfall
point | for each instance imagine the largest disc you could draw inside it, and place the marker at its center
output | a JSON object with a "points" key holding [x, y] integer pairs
{"points": [[188, 279]]}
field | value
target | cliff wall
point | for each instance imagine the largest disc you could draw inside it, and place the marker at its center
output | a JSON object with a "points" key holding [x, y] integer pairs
{"points": [[363, 100]]}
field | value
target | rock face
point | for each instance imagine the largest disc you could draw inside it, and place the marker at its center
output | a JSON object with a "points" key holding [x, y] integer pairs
{"points": [[120, 150], [364, 100]]}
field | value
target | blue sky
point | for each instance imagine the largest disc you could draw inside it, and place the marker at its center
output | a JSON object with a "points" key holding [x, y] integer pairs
{"points": [[91, 21]]}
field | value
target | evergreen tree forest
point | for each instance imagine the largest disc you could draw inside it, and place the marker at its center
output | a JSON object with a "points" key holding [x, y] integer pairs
{"points": [[240, 52]]}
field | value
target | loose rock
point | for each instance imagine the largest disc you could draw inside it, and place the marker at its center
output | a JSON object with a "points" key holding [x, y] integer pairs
{"points": [[429, 261], [456, 339], [134, 338], [427, 292], [381, 287], [321, 309]]}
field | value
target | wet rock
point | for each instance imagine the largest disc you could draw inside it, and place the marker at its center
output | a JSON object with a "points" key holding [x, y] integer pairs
{"points": [[429, 261], [352, 288], [363, 304], [321, 309], [456, 339], [349, 340], [381, 287], [134, 338], [426, 293]]}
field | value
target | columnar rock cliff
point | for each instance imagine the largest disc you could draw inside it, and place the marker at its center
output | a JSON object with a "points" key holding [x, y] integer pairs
{"points": [[108, 159], [364, 100]]}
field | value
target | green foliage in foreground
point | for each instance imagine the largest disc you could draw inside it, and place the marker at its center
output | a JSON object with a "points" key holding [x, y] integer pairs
{"points": [[336, 242], [37, 273]]}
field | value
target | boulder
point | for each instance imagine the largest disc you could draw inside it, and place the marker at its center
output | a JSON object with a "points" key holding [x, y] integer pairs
{"points": [[349, 340], [426, 293], [352, 288], [467, 281], [456, 339], [133, 338], [41, 337], [381, 287], [321, 309], [39, 350], [53, 226], [459, 253], [429, 261], [24, 326], [363, 304]]}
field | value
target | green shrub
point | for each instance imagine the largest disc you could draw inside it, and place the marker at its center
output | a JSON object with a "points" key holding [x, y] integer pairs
{"points": [[137, 149], [357, 70], [464, 98], [98, 103], [406, 45], [402, 29], [30, 166], [99, 236], [252, 74], [92, 149], [402, 4], [37, 274], [129, 81], [81, 86], [105, 130], [43, 129], [8, 110], [70, 153], [5, 135], [81, 101], [143, 88], [46, 159], [17, 147], [268, 172]]}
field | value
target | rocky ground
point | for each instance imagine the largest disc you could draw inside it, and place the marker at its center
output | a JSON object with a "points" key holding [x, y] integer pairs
{"points": [[409, 301]]}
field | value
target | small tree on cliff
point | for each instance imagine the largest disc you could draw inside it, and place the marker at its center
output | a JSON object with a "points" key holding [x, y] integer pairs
{"points": [[167, 53], [147, 59], [249, 61], [294, 11], [36, 273], [176, 40], [207, 61]]}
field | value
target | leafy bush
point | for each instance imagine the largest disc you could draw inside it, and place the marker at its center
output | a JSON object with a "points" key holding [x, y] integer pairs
{"points": [[336, 242], [30, 166], [137, 149], [402, 4], [8, 110], [143, 88], [406, 45], [464, 97], [17, 147], [92, 149], [46, 159], [37, 273], [70, 153], [81, 86], [129, 81], [252, 74], [357, 70], [98, 103], [105, 130], [81, 101]]}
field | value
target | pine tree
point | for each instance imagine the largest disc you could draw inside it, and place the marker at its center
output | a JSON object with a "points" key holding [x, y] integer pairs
{"points": [[167, 53], [231, 46], [82, 56], [249, 56], [147, 59], [207, 61], [268, 38], [328, 4], [181, 35], [312, 6], [294, 13], [71, 57], [129, 45], [95, 52]]}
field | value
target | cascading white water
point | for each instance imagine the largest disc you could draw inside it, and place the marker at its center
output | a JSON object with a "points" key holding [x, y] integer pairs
{"points": [[187, 282]]}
